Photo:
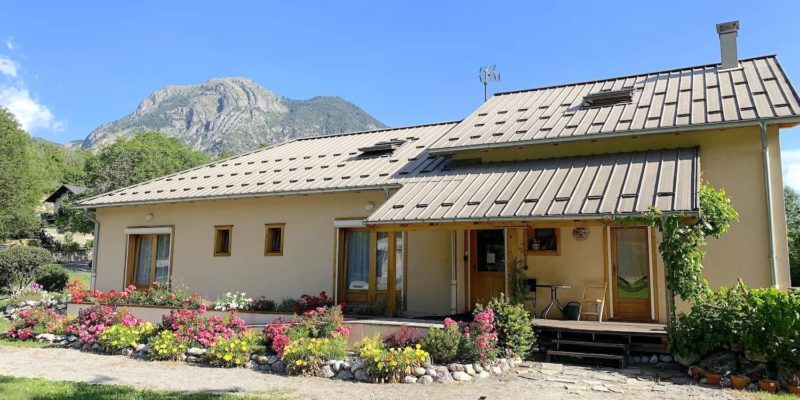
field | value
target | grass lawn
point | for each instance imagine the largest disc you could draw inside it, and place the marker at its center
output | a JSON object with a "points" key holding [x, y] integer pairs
{"points": [[84, 277], [34, 389]]}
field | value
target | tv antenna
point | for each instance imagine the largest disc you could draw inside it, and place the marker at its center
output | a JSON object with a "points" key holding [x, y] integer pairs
{"points": [[487, 74]]}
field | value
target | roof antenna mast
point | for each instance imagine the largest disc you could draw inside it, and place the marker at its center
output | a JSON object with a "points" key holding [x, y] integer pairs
{"points": [[487, 74]]}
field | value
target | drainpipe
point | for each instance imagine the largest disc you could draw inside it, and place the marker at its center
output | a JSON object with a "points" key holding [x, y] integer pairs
{"points": [[773, 262], [95, 246], [453, 276]]}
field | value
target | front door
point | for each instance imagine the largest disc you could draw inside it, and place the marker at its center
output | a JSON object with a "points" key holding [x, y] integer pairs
{"points": [[630, 257], [487, 258]]}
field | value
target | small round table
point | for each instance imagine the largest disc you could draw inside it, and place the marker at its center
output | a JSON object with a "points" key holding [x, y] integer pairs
{"points": [[553, 298]]}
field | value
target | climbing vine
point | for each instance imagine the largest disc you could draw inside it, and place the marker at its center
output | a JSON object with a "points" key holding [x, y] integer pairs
{"points": [[683, 239]]}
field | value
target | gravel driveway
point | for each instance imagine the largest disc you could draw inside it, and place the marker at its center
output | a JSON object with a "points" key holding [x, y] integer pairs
{"points": [[539, 380]]}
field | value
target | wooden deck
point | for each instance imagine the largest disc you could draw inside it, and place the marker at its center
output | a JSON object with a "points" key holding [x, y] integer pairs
{"points": [[611, 328]]}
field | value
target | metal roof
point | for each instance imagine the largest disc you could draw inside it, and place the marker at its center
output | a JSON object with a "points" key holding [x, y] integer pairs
{"points": [[571, 187], [686, 97], [310, 165], [62, 190]]}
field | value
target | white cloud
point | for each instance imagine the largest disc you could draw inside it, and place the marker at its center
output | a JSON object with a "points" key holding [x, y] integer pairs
{"points": [[791, 168], [10, 43], [8, 67], [30, 113]]}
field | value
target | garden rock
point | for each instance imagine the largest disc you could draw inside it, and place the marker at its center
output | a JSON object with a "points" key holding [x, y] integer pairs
{"points": [[278, 367], [686, 361], [461, 376], [327, 372], [654, 359], [665, 358], [356, 366], [361, 375], [142, 348], [46, 337], [483, 374], [345, 375], [430, 371], [192, 359], [477, 367], [469, 370], [419, 371], [272, 360], [495, 370], [455, 367], [409, 379], [425, 379], [443, 375], [196, 351], [127, 352], [723, 362], [261, 360]]}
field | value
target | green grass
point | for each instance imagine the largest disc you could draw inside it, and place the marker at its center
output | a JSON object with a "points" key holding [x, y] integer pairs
{"points": [[36, 389], [771, 396], [84, 277]]}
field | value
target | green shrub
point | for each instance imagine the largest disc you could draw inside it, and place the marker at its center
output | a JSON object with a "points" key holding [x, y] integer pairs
{"points": [[234, 351], [52, 277], [714, 323], [120, 337], [166, 346], [442, 344], [385, 365], [515, 335], [306, 356], [772, 328], [18, 266]]}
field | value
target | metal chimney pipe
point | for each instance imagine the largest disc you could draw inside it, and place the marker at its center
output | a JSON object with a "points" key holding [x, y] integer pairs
{"points": [[728, 31]]}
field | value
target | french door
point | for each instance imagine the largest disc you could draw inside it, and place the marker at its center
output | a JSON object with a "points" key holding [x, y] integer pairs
{"points": [[630, 269], [372, 269], [149, 260]]}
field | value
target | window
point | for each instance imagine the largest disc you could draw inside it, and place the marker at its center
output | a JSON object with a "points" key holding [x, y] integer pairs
{"points": [[273, 240], [149, 260], [543, 241], [223, 235]]}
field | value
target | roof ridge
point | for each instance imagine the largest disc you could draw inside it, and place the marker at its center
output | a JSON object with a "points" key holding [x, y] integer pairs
{"points": [[374, 131], [629, 76]]}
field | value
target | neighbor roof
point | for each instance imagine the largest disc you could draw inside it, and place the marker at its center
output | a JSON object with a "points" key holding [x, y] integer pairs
{"points": [[62, 190], [310, 165], [686, 97], [569, 187]]}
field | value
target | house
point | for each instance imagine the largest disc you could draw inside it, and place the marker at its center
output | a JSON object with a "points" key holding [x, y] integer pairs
{"points": [[58, 196], [426, 220]]}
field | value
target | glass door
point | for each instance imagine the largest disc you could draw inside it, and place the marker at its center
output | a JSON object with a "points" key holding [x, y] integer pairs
{"points": [[630, 256]]}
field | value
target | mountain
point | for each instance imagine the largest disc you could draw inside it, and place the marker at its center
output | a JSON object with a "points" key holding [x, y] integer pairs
{"points": [[233, 115]]}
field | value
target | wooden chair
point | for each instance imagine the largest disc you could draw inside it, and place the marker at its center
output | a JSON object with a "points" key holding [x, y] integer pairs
{"points": [[594, 296]]}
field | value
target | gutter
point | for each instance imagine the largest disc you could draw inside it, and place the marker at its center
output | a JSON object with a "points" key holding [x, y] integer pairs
{"points": [[600, 135], [773, 262], [453, 273], [95, 246]]}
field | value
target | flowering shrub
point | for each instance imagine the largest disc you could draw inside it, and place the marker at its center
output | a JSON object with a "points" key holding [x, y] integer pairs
{"points": [[515, 335], [479, 341], [263, 304], [166, 346], [442, 344], [233, 301], [389, 364], [276, 335], [92, 321], [404, 337], [34, 321], [234, 351], [322, 322], [120, 337], [77, 291], [158, 295], [308, 302], [306, 356], [195, 328]]}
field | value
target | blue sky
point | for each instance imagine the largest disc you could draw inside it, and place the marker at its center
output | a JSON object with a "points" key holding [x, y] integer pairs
{"points": [[67, 68]]}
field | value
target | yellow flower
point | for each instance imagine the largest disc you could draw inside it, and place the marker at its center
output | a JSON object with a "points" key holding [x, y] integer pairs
{"points": [[227, 357]]}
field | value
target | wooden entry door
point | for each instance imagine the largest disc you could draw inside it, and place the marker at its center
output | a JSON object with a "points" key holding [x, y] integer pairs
{"points": [[487, 258], [630, 258]]}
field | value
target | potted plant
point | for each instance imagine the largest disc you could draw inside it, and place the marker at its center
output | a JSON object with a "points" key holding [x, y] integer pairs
{"points": [[768, 385], [793, 384], [697, 372], [713, 378], [740, 382]]}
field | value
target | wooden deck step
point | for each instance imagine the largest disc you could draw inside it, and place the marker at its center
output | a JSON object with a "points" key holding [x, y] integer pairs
{"points": [[611, 345], [580, 355]]}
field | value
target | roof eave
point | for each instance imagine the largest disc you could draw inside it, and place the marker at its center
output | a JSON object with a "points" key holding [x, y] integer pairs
{"points": [[569, 217]]}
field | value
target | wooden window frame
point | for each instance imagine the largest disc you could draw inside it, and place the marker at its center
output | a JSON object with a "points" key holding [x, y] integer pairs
{"points": [[217, 230], [268, 239], [530, 232], [132, 253]]}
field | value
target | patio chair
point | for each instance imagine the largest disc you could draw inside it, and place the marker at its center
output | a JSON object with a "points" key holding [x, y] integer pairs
{"points": [[594, 298], [531, 283]]}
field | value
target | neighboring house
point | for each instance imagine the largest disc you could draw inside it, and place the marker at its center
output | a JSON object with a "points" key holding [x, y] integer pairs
{"points": [[430, 218], [59, 195]]}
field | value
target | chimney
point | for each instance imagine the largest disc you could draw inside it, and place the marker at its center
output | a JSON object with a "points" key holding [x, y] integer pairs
{"points": [[728, 31]]}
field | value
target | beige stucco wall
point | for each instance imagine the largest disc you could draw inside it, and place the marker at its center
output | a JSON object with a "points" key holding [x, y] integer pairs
{"points": [[730, 159], [307, 264]]}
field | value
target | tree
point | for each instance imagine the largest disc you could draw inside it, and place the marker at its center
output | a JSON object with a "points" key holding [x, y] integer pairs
{"points": [[20, 185], [792, 202], [18, 266], [127, 162]]}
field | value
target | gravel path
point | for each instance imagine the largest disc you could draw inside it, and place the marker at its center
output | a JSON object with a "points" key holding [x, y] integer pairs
{"points": [[540, 380]]}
